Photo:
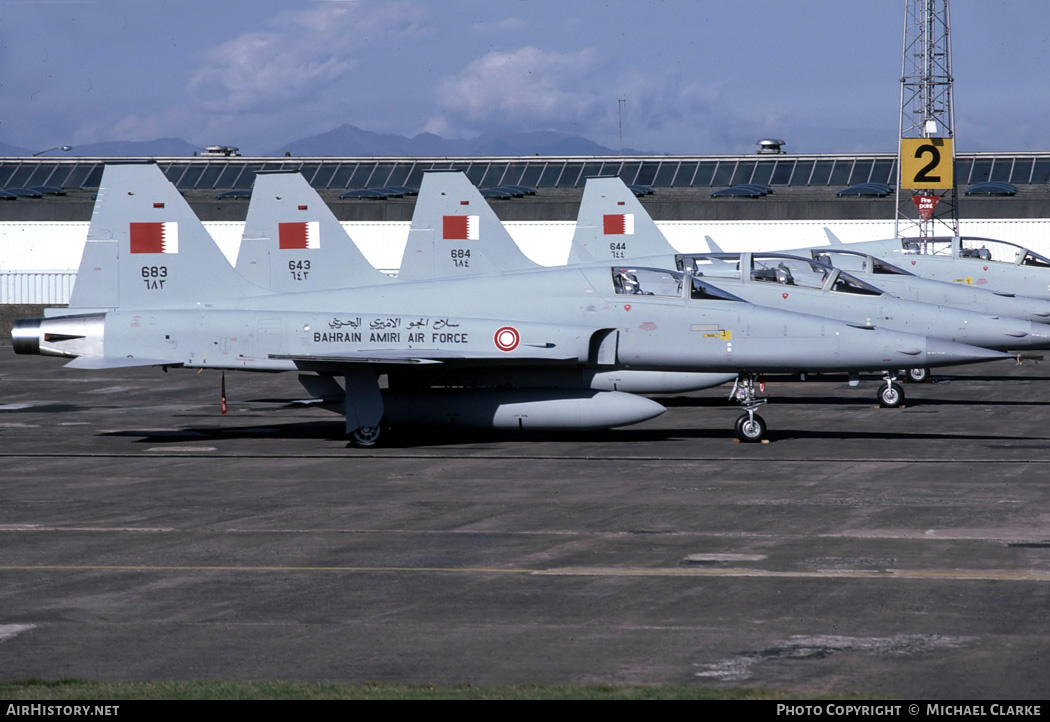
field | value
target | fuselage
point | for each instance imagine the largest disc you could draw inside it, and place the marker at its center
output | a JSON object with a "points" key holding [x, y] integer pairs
{"points": [[569, 316], [985, 263]]}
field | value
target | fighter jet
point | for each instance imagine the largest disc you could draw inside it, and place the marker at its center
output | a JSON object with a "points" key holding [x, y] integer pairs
{"points": [[442, 243], [154, 290], [779, 280], [904, 284], [986, 263], [612, 225]]}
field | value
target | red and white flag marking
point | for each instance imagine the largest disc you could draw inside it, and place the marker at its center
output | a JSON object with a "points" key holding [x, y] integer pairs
{"points": [[618, 224], [299, 235], [155, 237], [459, 228]]}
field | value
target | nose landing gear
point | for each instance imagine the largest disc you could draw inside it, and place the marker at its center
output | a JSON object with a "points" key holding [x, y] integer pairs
{"points": [[891, 395], [750, 428]]}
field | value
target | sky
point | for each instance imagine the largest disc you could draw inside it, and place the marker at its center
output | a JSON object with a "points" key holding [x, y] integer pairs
{"points": [[698, 76]]}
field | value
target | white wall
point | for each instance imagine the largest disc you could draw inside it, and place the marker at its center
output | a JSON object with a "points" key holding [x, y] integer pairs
{"points": [[55, 248]]}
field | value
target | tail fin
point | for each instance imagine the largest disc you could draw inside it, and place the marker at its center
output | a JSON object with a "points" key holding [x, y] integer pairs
{"points": [[712, 246], [455, 232], [293, 242], [146, 248], [832, 238], [612, 224]]}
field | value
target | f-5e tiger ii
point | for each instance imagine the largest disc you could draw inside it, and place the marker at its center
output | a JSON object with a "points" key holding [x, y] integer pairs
{"points": [[154, 290], [293, 242], [985, 263]]}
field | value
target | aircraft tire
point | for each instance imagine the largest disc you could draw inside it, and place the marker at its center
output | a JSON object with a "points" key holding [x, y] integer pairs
{"points": [[750, 429], [918, 376], [890, 397], [366, 437]]}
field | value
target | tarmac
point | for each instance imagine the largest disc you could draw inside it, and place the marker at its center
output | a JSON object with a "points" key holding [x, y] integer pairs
{"points": [[893, 552]]}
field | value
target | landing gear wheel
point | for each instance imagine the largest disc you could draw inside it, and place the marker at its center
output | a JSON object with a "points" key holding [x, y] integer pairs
{"points": [[750, 428], [891, 395], [918, 376], [365, 437]]}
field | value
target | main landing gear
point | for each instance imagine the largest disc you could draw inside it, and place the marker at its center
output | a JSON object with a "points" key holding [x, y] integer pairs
{"points": [[750, 428], [365, 437], [917, 376], [364, 406]]}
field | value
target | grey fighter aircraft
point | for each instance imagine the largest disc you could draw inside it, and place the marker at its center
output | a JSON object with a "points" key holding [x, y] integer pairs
{"points": [[904, 284], [779, 280], [982, 262], [154, 290], [611, 212], [442, 243], [613, 226]]}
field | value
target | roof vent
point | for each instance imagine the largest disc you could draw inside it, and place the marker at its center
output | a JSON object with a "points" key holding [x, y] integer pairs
{"points": [[221, 151], [770, 146]]}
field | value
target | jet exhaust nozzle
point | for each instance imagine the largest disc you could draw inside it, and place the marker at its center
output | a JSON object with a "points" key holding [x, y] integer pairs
{"points": [[25, 335], [65, 336]]}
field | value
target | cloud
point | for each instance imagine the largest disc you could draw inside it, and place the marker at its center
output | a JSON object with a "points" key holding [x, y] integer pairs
{"points": [[578, 92], [527, 88], [303, 53]]}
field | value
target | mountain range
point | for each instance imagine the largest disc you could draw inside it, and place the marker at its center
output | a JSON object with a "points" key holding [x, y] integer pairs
{"points": [[349, 140]]}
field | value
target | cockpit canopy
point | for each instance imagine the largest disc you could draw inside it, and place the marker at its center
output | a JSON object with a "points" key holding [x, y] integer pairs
{"points": [[666, 284], [789, 271], [855, 261], [983, 249], [782, 269]]}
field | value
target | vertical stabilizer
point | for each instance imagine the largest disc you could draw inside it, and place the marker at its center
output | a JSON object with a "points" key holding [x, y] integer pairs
{"points": [[293, 242], [712, 246], [147, 249], [456, 233], [613, 225]]}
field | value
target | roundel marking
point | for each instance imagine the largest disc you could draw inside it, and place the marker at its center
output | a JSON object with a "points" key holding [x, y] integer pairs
{"points": [[507, 338]]}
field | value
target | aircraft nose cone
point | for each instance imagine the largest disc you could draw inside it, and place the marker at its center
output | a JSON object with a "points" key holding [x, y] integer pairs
{"points": [[1039, 337], [940, 352]]}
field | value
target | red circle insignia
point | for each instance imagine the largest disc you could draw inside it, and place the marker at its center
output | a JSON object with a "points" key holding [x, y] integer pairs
{"points": [[507, 338]]}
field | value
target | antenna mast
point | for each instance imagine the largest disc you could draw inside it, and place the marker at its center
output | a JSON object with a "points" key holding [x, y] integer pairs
{"points": [[621, 102], [926, 197]]}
